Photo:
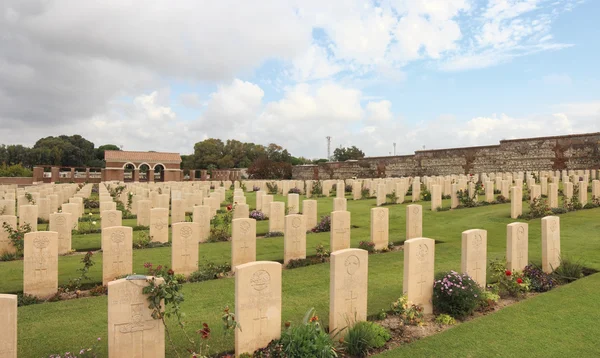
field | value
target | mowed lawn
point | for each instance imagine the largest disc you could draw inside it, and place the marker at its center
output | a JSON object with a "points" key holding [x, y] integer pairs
{"points": [[70, 325]]}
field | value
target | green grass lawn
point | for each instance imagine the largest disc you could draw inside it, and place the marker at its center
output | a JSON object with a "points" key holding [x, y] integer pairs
{"points": [[71, 325]]}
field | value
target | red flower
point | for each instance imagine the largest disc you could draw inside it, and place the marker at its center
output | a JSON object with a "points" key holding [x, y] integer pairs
{"points": [[519, 280], [508, 273], [228, 207], [314, 318], [170, 272]]}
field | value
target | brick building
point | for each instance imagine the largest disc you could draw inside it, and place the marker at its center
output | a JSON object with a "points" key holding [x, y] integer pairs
{"points": [[142, 166]]}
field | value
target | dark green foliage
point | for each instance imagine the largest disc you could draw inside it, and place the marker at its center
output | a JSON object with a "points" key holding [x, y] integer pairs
{"points": [[363, 337], [308, 339], [456, 294], [209, 271]]}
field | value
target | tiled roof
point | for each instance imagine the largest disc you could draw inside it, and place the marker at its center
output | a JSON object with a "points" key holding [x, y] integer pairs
{"points": [[127, 156]]}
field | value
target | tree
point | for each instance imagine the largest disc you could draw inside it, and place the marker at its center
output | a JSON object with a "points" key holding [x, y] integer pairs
{"points": [[208, 152], [101, 149], [351, 153], [264, 168], [68, 151]]}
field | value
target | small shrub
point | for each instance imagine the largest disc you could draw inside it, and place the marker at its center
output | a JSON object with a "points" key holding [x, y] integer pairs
{"points": [[391, 198], [367, 245], [9, 256], [272, 187], [142, 241], [466, 200], [324, 225], [445, 320], [274, 234], [568, 271], [306, 340], [24, 299], [209, 271], [364, 193], [456, 294], [292, 264], [410, 314], [295, 191], [425, 195], [322, 253], [540, 281], [317, 188], [539, 208], [348, 188], [99, 290], [501, 199], [506, 282], [257, 215], [141, 228], [488, 301], [364, 336]]}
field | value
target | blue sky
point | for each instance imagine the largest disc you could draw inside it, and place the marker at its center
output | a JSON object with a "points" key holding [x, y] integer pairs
{"points": [[435, 73]]}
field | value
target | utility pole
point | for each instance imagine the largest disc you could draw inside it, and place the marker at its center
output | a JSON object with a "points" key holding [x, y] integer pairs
{"points": [[394, 148], [328, 148]]}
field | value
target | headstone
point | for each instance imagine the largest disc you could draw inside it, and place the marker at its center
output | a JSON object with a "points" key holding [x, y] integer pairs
{"points": [[117, 254], [111, 218], [241, 211], [259, 196], [73, 209], [553, 195], [550, 243], [294, 241], [309, 210], [8, 328], [380, 227], [276, 218], [202, 216], [348, 288], [7, 207], [474, 255], [516, 202], [414, 221], [400, 192], [536, 193], [28, 214], [143, 215], [340, 231], [6, 245], [177, 211], [583, 195], [568, 191], [243, 242], [106, 205], [436, 197], [61, 224], [340, 189], [356, 190], [517, 246], [340, 204], [257, 305], [416, 190], [381, 194], [266, 204], [417, 285], [43, 208], [184, 252], [40, 264], [453, 196], [159, 225], [293, 203], [132, 332]]}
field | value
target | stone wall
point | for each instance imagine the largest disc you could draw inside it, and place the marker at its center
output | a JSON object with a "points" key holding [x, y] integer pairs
{"points": [[571, 152]]}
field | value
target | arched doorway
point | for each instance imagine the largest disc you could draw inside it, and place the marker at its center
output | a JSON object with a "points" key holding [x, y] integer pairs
{"points": [[128, 170], [159, 172], [144, 168]]}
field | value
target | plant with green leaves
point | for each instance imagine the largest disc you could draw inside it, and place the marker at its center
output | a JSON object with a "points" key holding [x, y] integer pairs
{"points": [[364, 336], [17, 236]]}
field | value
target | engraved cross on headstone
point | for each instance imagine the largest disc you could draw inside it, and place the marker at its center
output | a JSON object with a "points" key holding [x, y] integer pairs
{"points": [[351, 300], [261, 317]]}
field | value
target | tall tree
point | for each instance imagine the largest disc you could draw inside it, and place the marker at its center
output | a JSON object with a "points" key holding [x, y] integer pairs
{"points": [[342, 154]]}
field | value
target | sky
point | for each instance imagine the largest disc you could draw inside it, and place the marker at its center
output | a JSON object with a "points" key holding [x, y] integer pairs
{"points": [[424, 74]]}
